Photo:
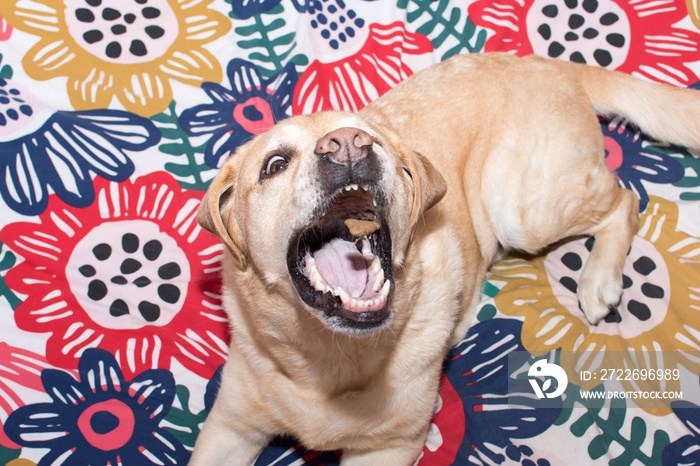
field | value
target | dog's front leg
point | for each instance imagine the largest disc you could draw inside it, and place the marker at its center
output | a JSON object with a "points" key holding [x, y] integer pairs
{"points": [[220, 443], [235, 430], [404, 455]]}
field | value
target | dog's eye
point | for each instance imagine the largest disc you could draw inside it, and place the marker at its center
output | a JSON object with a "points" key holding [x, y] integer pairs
{"points": [[275, 164]]}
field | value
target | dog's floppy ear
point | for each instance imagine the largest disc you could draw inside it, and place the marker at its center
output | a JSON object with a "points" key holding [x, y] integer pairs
{"points": [[428, 184], [214, 214]]}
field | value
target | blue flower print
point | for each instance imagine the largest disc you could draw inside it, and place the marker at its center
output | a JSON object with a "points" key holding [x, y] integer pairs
{"points": [[100, 418], [684, 450], [635, 162], [251, 106], [286, 451], [213, 389], [62, 149], [499, 409], [248, 8]]}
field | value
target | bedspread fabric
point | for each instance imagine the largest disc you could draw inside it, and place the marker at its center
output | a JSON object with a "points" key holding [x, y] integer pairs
{"points": [[116, 114]]}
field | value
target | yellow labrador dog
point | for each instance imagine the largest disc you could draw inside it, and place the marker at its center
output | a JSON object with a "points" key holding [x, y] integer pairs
{"points": [[357, 243]]}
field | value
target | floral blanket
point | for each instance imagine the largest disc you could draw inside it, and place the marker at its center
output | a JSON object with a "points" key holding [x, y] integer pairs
{"points": [[114, 116]]}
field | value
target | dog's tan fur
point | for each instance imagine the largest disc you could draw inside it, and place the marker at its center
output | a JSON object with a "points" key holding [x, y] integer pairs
{"points": [[503, 153]]}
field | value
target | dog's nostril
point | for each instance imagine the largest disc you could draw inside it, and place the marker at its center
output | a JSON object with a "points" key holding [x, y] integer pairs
{"points": [[362, 139], [344, 145]]}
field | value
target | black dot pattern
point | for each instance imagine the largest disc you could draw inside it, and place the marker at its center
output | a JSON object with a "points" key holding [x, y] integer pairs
{"points": [[12, 106], [122, 32], [130, 266], [613, 317], [136, 254], [572, 261], [169, 271], [586, 21], [169, 293], [102, 251], [149, 311], [87, 271], [640, 310], [644, 266], [641, 280], [152, 250], [118, 308]]}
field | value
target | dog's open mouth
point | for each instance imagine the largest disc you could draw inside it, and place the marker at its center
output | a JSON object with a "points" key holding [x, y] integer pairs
{"points": [[341, 264]]}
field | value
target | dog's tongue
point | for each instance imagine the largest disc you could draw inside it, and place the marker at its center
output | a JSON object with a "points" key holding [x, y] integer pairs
{"points": [[341, 264]]}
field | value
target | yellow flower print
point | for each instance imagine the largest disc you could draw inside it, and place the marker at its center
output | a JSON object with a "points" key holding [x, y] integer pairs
{"points": [[655, 326], [128, 49], [694, 11]]}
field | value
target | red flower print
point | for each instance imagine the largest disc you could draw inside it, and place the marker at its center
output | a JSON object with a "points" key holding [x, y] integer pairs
{"points": [[352, 82], [636, 37], [5, 29], [447, 429], [17, 367], [132, 273]]}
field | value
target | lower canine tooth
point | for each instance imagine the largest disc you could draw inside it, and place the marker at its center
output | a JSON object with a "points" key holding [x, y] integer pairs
{"points": [[314, 276], [319, 285], [342, 294]]}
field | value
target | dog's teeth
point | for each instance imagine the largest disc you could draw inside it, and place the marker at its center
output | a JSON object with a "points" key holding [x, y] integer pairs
{"points": [[378, 282], [385, 288], [367, 250], [376, 265], [342, 294], [374, 202], [365, 187], [314, 276], [320, 285], [359, 304]]}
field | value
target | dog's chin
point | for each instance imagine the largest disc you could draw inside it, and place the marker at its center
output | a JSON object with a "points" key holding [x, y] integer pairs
{"points": [[346, 280]]}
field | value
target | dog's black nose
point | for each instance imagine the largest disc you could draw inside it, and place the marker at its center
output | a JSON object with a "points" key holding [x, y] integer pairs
{"points": [[345, 146]]}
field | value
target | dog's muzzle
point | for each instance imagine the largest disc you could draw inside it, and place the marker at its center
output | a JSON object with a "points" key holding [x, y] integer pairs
{"points": [[337, 267]]}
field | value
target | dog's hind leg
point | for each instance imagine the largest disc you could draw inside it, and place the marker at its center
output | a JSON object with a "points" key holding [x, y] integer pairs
{"points": [[600, 286]]}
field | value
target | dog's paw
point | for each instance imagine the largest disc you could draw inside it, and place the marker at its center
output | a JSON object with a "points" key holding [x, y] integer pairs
{"points": [[599, 294]]}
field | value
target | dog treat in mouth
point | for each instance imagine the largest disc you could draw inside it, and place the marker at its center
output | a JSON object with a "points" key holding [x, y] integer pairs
{"points": [[360, 228]]}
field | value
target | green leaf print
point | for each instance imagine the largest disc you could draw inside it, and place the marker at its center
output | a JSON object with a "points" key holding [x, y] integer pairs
{"points": [[188, 165], [444, 27]]}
